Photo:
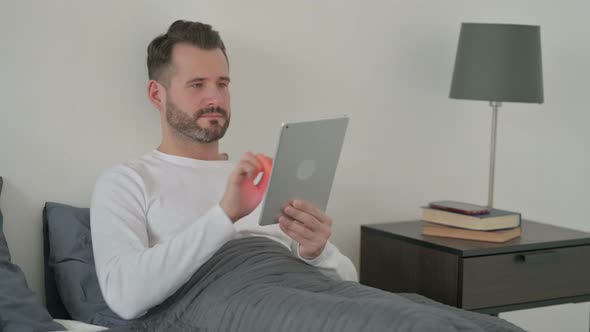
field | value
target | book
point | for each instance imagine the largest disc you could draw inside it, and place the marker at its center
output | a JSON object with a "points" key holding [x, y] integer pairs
{"points": [[460, 207], [498, 236], [496, 219]]}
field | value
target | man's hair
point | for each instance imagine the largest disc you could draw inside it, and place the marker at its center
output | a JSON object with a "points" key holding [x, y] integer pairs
{"points": [[159, 51]]}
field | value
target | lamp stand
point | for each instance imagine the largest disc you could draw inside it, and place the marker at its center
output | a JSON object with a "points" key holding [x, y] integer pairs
{"points": [[495, 105]]}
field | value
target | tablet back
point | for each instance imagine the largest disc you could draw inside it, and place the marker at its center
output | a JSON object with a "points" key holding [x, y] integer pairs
{"points": [[304, 165]]}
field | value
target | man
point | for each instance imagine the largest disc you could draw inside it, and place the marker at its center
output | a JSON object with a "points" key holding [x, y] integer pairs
{"points": [[157, 219]]}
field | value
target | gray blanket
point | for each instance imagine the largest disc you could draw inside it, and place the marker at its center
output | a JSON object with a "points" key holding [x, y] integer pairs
{"points": [[256, 284]]}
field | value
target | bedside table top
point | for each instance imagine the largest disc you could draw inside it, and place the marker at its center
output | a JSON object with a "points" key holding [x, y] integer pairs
{"points": [[534, 236]]}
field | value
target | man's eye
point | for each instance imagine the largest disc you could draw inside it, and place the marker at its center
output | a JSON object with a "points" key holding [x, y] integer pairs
{"points": [[197, 85], [222, 85]]}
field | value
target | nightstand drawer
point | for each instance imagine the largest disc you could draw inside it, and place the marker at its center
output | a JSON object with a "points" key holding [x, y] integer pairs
{"points": [[497, 280]]}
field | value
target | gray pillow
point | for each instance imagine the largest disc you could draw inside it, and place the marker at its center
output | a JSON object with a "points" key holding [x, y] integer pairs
{"points": [[20, 309], [72, 261]]}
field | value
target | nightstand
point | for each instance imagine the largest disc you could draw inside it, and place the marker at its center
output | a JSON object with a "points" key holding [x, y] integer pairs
{"points": [[547, 265]]}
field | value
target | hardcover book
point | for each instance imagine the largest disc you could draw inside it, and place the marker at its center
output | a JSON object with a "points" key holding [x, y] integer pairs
{"points": [[494, 220], [498, 236]]}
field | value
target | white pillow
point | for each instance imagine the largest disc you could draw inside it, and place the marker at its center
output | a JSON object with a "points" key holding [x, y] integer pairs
{"points": [[72, 325]]}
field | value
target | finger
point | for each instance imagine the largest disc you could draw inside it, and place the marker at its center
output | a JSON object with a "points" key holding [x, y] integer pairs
{"points": [[296, 228], [251, 158], [266, 163], [313, 210], [264, 159], [247, 169], [295, 236], [258, 174], [303, 217]]}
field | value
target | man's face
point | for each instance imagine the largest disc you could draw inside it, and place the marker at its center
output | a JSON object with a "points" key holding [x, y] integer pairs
{"points": [[197, 99]]}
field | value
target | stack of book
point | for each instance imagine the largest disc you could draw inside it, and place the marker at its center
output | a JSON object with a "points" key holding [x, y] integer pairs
{"points": [[472, 222]]}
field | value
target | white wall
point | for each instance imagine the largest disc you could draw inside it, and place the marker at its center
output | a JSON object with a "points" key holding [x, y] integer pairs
{"points": [[73, 103]]}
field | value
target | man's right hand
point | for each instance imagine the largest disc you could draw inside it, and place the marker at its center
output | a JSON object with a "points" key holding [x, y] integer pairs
{"points": [[241, 195]]}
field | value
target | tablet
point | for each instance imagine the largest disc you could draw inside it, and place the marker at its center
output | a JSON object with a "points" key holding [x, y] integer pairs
{"points": [[304, 165]]}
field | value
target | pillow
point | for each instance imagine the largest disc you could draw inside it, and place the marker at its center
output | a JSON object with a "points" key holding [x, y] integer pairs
{"points": [[72, 261], [20, 309]]}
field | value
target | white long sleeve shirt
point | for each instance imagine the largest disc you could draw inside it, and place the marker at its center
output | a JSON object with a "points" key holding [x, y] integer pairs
{"points": [[157, 219]]}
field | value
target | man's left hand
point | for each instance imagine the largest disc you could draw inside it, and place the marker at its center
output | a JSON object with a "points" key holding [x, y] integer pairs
{"points": [[308, 225]]}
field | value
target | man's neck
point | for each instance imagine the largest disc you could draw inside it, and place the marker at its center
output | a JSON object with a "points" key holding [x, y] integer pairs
{"points": [[190, 149]]}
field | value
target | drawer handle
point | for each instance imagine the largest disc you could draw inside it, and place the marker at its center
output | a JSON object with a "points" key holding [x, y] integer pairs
{"points": [[539, 257]]}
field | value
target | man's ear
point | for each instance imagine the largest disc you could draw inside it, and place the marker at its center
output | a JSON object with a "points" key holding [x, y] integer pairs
{"points": [[156, 93]]}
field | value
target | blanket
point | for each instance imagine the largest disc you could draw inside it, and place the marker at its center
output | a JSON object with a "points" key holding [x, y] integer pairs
{"points": [[256, 284]]}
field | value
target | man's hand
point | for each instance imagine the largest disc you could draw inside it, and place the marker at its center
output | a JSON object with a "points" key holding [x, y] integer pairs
{"points": [[242, 195], [308, 225]]}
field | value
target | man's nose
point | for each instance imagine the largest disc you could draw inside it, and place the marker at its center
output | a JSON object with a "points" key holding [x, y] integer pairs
{"points": [[212, 98]]}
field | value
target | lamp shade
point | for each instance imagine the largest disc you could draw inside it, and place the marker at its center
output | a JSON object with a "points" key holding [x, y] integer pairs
{"points": [[498, 62]]}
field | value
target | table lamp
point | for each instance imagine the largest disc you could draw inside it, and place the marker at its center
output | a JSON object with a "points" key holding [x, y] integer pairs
{"points": [[498, 63]]}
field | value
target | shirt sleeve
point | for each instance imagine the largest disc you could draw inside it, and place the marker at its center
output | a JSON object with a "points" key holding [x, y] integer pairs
{"points": [[133, 276], [330, 262]]}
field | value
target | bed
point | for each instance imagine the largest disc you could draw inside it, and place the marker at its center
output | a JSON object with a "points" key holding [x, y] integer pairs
{"points": [[254, 284]]}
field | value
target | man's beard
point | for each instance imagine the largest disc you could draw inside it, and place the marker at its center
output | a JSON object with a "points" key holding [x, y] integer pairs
{"points": [[186, 125]]}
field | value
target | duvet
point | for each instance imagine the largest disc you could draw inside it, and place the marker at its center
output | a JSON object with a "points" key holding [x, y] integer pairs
{"points": [[256, 284]]}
